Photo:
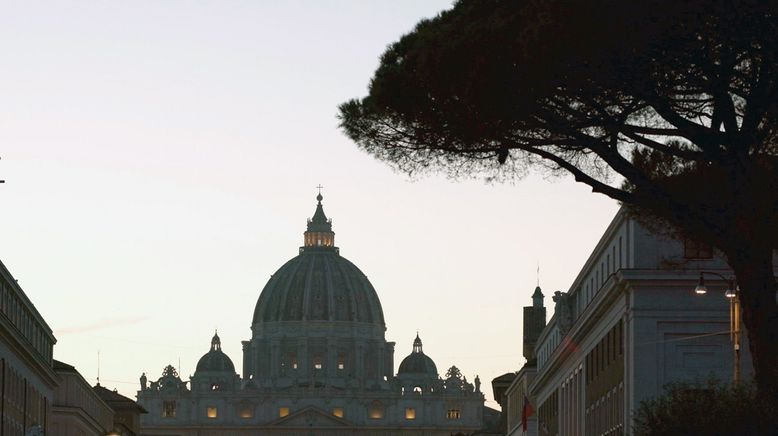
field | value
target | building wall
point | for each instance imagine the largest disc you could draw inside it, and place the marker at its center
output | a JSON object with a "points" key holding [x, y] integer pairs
{"points": [[633, 324], [678, 331], [77, 409], [27, 381], [514, 407], [349, 354], [249, 410]]}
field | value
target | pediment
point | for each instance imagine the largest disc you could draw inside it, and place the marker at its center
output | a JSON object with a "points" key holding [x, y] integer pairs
{"points": [[311, 417]]}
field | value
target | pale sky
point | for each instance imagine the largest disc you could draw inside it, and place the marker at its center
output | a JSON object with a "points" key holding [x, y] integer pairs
{"points": [[161, 160]]}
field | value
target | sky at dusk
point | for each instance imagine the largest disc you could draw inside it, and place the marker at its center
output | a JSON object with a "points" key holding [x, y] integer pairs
{"points": [[161, 159]]}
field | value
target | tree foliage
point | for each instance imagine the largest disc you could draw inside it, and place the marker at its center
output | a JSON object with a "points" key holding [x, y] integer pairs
{"points": [[670, 107], [706, 409]]}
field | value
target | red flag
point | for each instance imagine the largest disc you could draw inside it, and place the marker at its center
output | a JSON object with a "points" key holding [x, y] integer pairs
{"points": [[526, 412]]}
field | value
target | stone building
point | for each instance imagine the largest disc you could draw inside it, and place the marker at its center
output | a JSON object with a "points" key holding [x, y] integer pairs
{"points": [[40, 395], [126, 412], [317, 363], [517, 392], [77, 409], [27, 377], [629, 323]]}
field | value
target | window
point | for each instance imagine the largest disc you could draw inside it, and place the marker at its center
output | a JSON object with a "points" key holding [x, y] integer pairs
{"points": [[376, 411], [283, 411], [211, 412], [168, 409], [613, 258], [337, 411], [317, 362], [410, 413], [417, 390], [215, 387], [246, 411], [341, 362], [453, 414], [696, 250], [293, 361]]}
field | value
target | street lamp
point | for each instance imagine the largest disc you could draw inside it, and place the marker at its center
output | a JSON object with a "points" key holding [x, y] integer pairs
{"points": [[731, 293]]}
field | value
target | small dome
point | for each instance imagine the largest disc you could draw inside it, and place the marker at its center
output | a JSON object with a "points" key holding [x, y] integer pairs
{"points": [[417, 362], [215, 360]]}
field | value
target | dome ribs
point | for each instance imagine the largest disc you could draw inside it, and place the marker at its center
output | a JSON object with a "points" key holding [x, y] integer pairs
{"points": [[331, 314], [284, 284], [305, 310], [352, 296], [319, 285]]}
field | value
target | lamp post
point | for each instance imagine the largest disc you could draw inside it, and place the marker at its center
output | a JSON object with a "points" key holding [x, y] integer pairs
{"points": [[734, 316]]}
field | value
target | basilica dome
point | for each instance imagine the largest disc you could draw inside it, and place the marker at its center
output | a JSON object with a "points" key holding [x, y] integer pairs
{"points": [[215, 360], [417, 363], [319, 284]]}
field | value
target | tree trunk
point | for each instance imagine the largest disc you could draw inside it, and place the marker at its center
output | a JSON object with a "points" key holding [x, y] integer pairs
{"points": [[753, 267]]}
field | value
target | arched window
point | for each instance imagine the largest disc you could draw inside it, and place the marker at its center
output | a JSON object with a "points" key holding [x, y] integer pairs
{"points": [[376, 410], [246, 411]]}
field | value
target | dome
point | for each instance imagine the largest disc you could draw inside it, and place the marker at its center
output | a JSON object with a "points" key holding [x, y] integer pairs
{"points": [[417, 362], [215, 360], [319, 284]]}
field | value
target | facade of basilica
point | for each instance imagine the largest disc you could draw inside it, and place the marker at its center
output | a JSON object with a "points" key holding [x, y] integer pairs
{"points": [[317, 363]]}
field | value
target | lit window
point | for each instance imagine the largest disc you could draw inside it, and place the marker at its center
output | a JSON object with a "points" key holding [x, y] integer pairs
{"points": [[317, 362], [376, 411], [293, 361], [168, 409], [215, 387], [410, 413], [338, 411], [417, 390], [283, 411], [211, 412], [246, 411], [341, 362], [453, 414]]}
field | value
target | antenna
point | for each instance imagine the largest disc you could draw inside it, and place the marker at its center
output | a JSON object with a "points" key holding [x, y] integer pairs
{"points": [[538, 275]]}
